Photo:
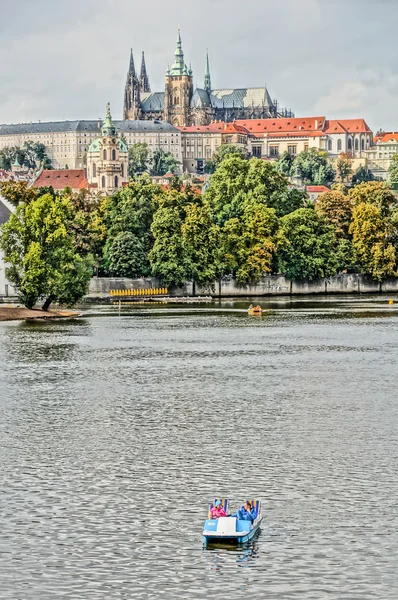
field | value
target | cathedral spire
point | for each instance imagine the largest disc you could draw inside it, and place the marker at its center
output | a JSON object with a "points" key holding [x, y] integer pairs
{"points": [[144, 79], [179, 67], [207, 74], [132, 66]]}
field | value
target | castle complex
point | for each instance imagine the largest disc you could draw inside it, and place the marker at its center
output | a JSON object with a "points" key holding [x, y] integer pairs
{"points": [[182, 105]]}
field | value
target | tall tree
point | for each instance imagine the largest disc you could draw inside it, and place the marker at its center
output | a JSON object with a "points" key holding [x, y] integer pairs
{"points": [[305, 246], [377, 193], [131, 210], [284, 164], [223, 152], [314, 167], [248, 244], [39, 248], [370, 231], [336, 209], [393, 172], [139, 159], [362, 175], [163, 162], [237, 180], [344, 165]]}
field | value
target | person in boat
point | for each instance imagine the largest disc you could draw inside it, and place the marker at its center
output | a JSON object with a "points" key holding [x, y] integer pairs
{"points": [[245, 513], [218, 510], [250, 307]]}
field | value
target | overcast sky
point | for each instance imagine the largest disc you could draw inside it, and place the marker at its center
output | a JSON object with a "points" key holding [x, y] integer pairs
{"points": [[66, 60]]}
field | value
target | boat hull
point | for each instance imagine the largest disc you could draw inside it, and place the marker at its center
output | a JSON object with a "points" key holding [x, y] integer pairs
{"points": [[237, 538]]}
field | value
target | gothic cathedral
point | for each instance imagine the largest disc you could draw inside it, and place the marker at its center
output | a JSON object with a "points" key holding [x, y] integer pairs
{"points": [[182, 105]]}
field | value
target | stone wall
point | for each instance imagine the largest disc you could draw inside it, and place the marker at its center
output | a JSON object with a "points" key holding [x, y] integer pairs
{"points": [[272, 285]]}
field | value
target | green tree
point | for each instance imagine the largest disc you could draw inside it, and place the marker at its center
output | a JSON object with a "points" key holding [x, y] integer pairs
{"points": [[131, 210], [39, 248], [125, 255], [184, 238], [336, 209], [238, 180], [139, 159], [163, 162], [305, 246], [223, 152], [16, 192], [201, 238], [313, 167], [248, 244], [393, 171], [370, 231], [284, 164], [362, 175], [344, 165], [377, 193]]}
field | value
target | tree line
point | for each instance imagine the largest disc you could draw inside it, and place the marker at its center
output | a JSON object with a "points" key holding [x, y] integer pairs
{"points": [[248, 222], [30, 155]]}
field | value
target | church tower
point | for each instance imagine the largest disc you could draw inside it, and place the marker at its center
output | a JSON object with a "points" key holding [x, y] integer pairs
{"points": [[178, 90], [145, 88], [132, 99], [108, 159]]}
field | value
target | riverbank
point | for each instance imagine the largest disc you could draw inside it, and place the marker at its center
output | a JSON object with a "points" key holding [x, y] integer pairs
{"points": [[18, 313]]}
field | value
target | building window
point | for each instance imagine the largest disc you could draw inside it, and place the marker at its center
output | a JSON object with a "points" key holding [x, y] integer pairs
{"points": [[122, 169], [104, 155], [103, 180], [356, 144], [292, 150], [349, 144], [362, 144], [113, 154], [305, 147], [256, 151], [339, 145], [274, 150], [330, 145], [116, 181], [94, 170]]}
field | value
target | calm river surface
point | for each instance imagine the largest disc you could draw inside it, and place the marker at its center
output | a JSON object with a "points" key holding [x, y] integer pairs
{"points": [[116, 431]]}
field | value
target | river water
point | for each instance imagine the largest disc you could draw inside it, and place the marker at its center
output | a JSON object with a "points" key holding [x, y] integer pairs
{"points": [[117, 430]]}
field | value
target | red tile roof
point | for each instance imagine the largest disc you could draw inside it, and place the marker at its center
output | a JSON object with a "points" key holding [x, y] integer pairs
{"points": [[219, 127], [385, 138], [347, 126], [62, 178], [317, 189], [305, 124]]}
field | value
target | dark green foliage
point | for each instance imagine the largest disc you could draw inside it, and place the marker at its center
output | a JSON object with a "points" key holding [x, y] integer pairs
{"points": [[305, 246], [163, 162], [223, 152], [39, 248], [313, 167], [125, 255], [362, 175], [131, 210]]}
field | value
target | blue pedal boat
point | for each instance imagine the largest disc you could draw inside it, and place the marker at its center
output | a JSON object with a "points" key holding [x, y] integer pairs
{"points": [[231, 529]]}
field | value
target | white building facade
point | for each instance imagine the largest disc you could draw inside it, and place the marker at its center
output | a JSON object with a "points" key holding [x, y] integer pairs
{"points": [[67, 142]]}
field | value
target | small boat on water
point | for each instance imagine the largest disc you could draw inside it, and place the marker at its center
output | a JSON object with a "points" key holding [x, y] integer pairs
{"points": [[255, 310], [231, 529]]}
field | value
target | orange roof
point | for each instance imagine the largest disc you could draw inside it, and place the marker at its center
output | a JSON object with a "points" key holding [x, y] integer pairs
{"points": [[219, 127], [62, 178], [385, 138], [347, 126], [212, 128], [317, 189], [283, 125]]}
